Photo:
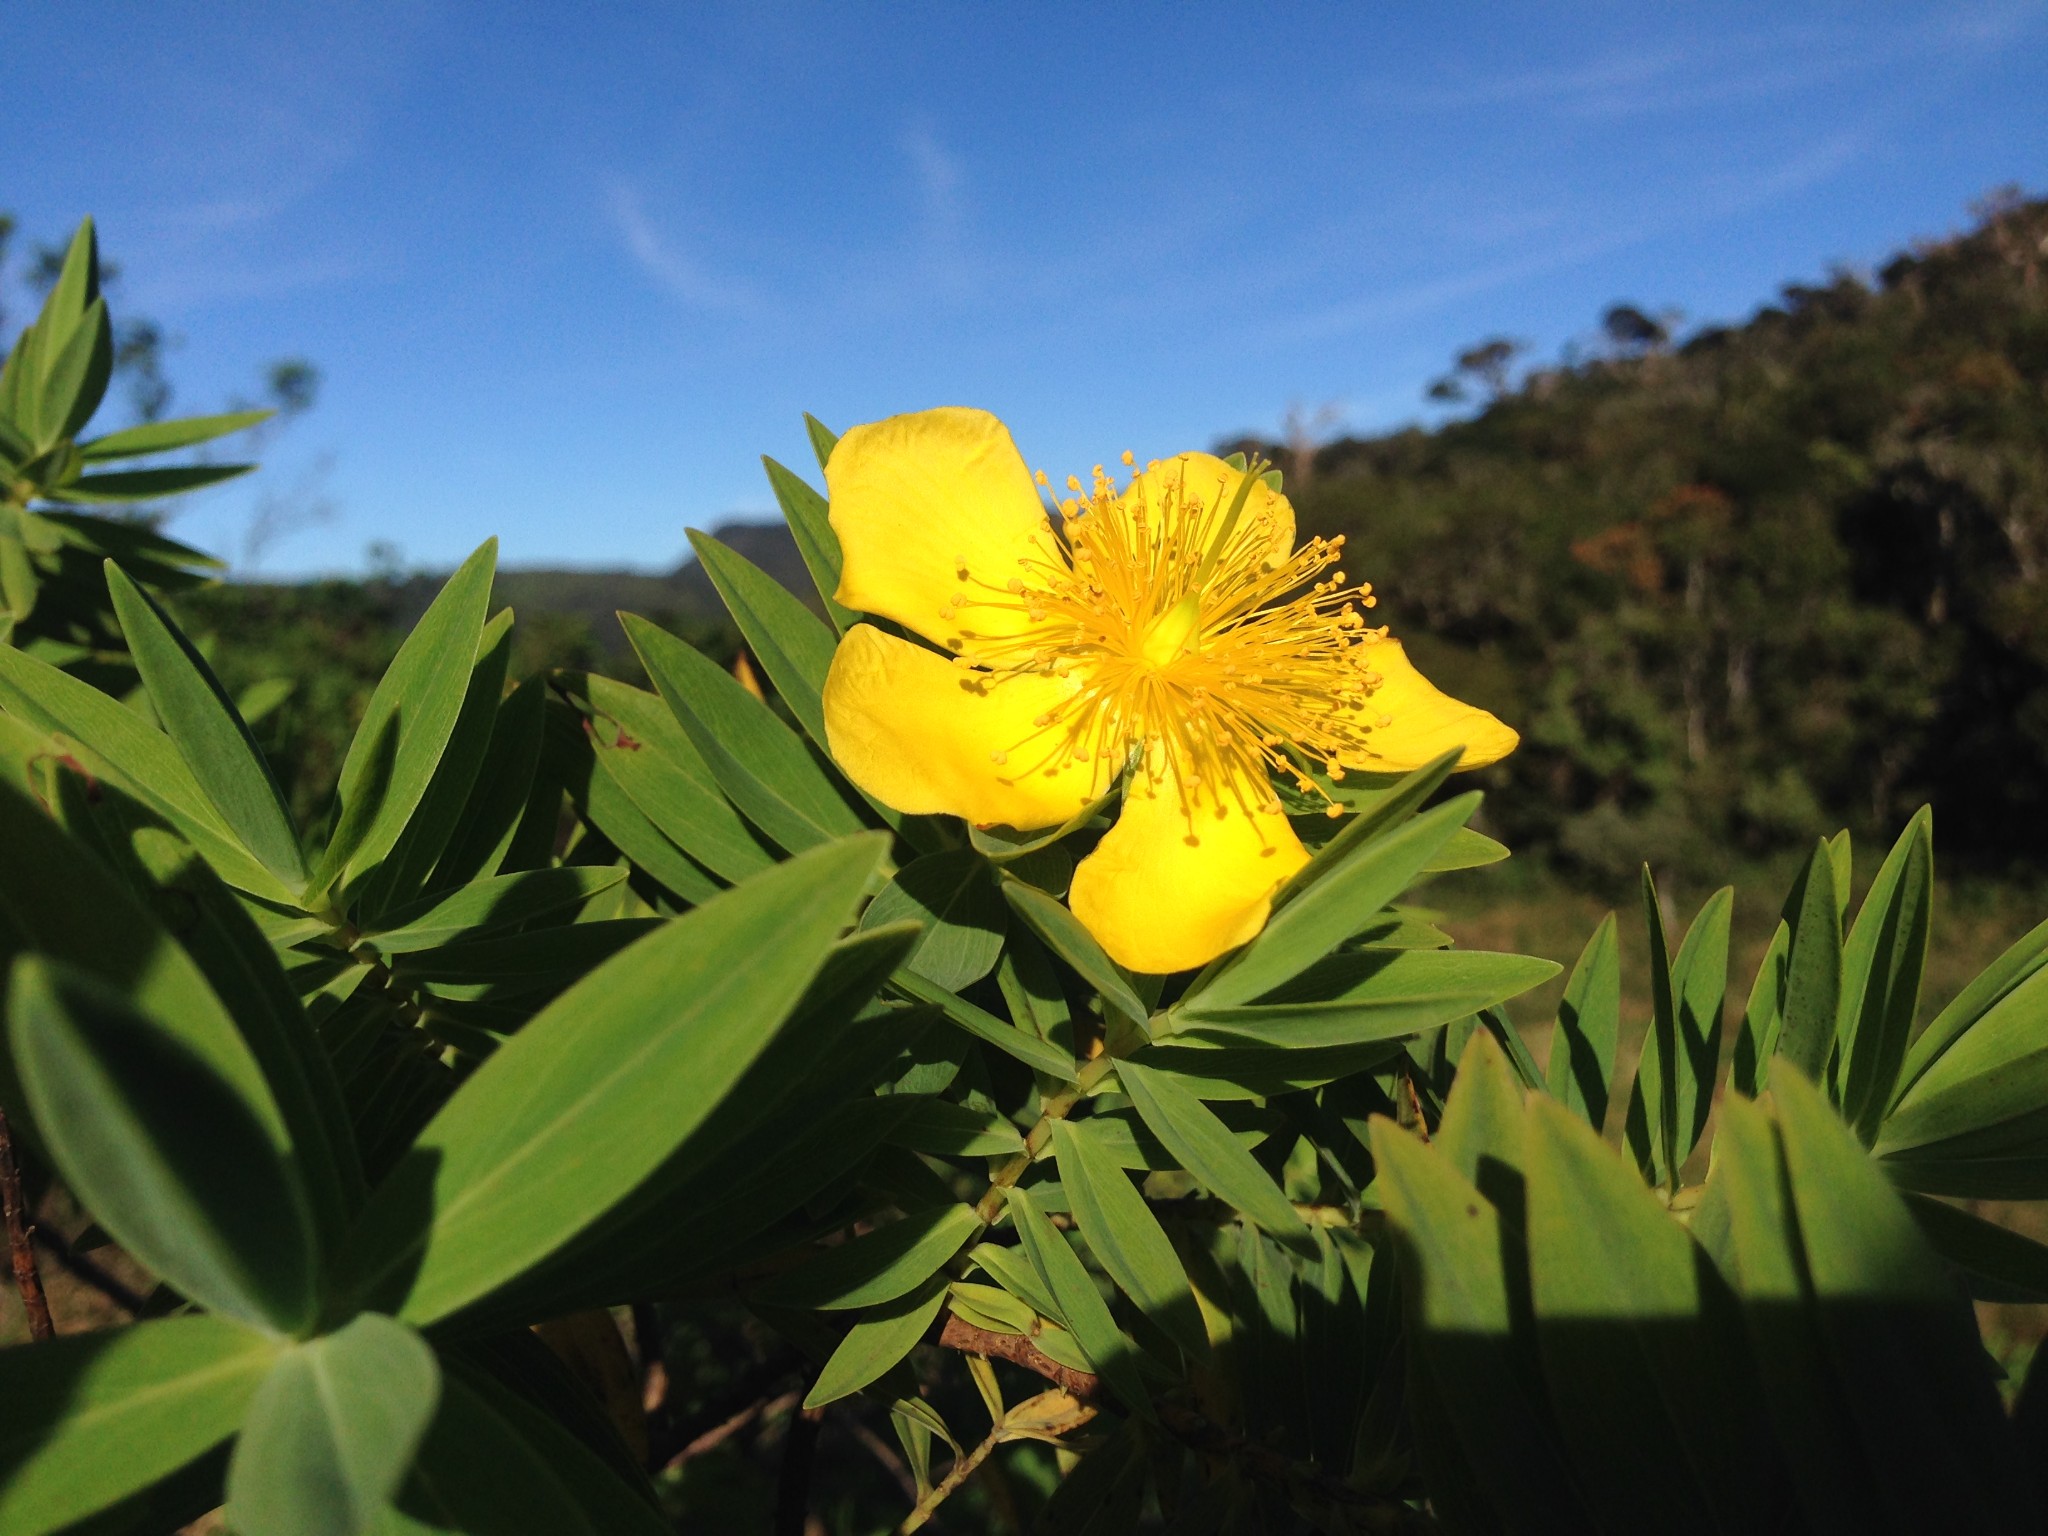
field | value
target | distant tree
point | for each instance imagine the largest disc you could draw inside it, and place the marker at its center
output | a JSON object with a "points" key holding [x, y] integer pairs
{"points": [[1633, 332], [1486, 364]]}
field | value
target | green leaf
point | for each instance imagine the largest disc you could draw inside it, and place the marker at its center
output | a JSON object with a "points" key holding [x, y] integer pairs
{"points": [[1899, 1333], [57, 899], [1762, 1018], [1984, 1097], [217, 932], [810, 524], [823, 439], [1882, 964], [332, 1431], [113, 743], [403, 875], [1379, 805], [89, 1418], [1334, 905], [1079, 1306], [956, 1130], [601, 800], [953, 895], [761, 764], [1994, 983], [1645, 1398], [487, 906], [174, 1160], [1481, 1130], [406, 725], [1687, 999], [1813, 967], [1064, 935], [877, 1266], [1652, 1125], [1456, 1295], [208, 731], [2002, 1264], [490, 818], [130, 485], [792, 643], [883, 1336], [986, 1027], [1367, 995], [1126, 1237], [1207, 1148], [573, 1112], [1466, 849], [640, 744], [163, 436], [78, 375]]}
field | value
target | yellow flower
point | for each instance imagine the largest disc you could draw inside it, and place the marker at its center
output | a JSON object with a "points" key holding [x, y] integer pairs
{"points": [[1171, 626]]}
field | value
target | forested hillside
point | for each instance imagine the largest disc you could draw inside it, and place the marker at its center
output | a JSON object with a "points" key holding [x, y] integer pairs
{"points": [[1777, 578]]}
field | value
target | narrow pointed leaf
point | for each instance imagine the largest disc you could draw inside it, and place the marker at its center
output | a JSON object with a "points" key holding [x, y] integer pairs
{"points": [[1206, 1148], [1064, 935], [486, 906], [1813, 968], [164, 436], [1080, 1306], [87, 1419], [1882, 964], [406, 726], [574, 1111], [175, 1162], [877, 1266], [1126, 1237], [793, 644], [1588, 1028], [1367, 995], [1336, 905], [203, 723], [113, 743], [762, 765], [810, 524], [883, 1336]]}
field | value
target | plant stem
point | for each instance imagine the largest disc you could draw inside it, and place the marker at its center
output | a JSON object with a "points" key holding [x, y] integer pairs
{"points": [[20, 1250], [962, 1469], [1054, 1108]]}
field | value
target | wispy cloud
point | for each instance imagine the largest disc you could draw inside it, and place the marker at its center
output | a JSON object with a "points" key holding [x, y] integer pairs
{"points": [[1704, 72], [1718, 198], [670, 267]]}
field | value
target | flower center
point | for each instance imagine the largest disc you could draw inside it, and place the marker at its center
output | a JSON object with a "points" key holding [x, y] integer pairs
{"points": [[1189, 629]]}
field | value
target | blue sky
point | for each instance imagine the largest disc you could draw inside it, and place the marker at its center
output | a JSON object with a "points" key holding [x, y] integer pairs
{"points": [[569, 270]]}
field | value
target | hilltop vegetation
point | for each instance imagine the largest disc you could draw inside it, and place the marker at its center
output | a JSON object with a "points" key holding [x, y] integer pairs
{"points": [[1782, 577]]}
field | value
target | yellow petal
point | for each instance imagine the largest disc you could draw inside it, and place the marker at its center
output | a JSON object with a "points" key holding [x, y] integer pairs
{"points": [[916, 501], [1166, 890], [923, 734], [1189, 479], [1423, 721]]}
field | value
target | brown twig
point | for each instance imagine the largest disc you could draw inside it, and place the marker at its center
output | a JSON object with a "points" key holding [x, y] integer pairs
{"points": [[712, 1438], [21, 1253], [962, 1469], [1019, 1350], [883, 1452]]}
